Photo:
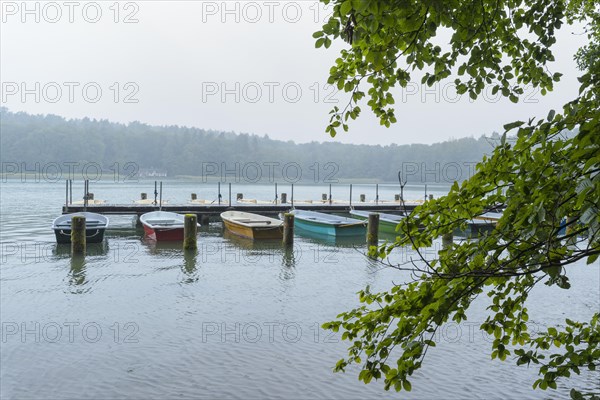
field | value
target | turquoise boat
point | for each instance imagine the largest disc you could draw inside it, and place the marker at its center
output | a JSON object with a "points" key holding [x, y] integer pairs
{"points": [[326, 224], [387, 222]]}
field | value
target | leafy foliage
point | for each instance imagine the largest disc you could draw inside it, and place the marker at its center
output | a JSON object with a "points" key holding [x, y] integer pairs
{"points": [[541, 178]]}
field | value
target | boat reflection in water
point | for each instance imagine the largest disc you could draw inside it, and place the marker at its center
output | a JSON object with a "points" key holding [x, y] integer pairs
{"points": [[173, 250], [63, 250], [329, 240], [265, 252]]}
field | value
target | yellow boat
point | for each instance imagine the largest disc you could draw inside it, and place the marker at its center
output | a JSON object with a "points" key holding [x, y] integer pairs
{"points": [[252, 226]]}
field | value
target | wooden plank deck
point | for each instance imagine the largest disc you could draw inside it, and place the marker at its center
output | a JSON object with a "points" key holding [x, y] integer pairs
{"points": [[216, 209]]}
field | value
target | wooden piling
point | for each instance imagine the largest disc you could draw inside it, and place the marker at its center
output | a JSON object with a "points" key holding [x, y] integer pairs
{"points": [[194, 196], [90, 196], [324, 197], [350, 201], [204, 219], [396, 197], [190, 232], [144, 196], [283, 198], [78, 240], [430, 197], [288, 229], [239, 196], [363, 198], [373, 230], [447, 240]]}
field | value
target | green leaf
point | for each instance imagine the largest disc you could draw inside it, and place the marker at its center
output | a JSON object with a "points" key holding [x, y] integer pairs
{"points": [[346, 7]]}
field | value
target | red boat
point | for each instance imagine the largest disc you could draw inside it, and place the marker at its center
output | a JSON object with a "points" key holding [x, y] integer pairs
{"points": [[163, 225]]}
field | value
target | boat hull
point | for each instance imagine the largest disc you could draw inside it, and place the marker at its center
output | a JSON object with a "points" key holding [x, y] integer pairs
{"points": [[95, 226], [384, 226], [164, 234], [255, 233], [330, 229], [95, 235], [163, 226]]}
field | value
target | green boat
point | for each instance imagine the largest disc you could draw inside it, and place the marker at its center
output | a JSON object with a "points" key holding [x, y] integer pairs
{"points": [[387, 222]]}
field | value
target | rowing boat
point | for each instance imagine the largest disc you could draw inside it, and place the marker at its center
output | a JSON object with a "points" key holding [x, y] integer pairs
{"points": [[327, 224], [95, 225], [253, 226], [387, 222]]}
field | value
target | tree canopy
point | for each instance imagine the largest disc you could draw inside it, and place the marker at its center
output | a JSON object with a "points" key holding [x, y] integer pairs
{"points": [[542, 178]]}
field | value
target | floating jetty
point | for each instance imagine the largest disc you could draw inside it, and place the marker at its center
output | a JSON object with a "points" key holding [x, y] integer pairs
{"points": [[205, 209], [217, 209]]}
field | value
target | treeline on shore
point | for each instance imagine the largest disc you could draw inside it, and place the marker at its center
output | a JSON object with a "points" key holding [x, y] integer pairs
{"points": [[27, 140]]}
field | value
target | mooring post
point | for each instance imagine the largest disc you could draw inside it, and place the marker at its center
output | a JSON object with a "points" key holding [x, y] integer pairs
{"points": [[292, 195], [288, 229], [67, 195], [144, 196], [396, 197], [276, 193], [155, 193], [373, 230], [283, 198], [219, 192], [160, 198], [330, 194], [204, 219], [430, 197], [425, 192], [190, 232], [70, 191], [377, 193], [362, 198], [90, 196], [350, 202], [78, 242], [324, 197], [194, 196], [447, 239], [239, 196], [229, 194], [85, 194]]}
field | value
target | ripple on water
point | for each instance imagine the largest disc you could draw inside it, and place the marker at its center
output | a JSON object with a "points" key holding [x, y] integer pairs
{"points": [[174, 300]]}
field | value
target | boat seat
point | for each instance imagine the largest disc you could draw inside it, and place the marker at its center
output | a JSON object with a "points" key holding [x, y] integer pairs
{"points": [[250, 221], [161, 221], [87, 224]]}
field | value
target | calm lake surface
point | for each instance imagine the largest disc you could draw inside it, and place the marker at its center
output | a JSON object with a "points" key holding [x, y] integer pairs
{"points": [[238, 320]]}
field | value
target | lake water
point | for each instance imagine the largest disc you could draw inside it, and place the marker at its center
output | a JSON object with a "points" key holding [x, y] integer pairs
{"points": [[237, 320]]}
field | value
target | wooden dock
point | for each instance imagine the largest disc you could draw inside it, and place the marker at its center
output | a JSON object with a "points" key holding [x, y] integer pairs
{"points": [[212, 210], [204, 210]]}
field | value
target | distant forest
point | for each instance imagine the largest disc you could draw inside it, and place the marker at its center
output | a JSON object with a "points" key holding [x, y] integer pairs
{"points": [[27, 139]]}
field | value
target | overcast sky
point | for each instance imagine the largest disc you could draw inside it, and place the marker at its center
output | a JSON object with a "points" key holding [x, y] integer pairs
{"points": [[235, 66]]}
